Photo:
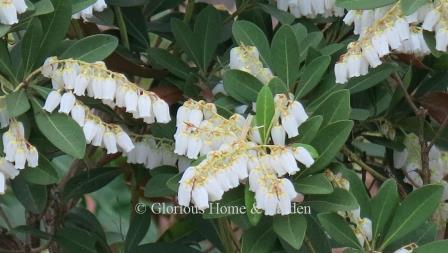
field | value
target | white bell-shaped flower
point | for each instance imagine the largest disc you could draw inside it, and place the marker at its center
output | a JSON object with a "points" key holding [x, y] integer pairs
{"points": [[52, 101]]}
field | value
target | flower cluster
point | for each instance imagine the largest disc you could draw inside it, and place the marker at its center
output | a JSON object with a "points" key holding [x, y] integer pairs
{"points": [[387, 29], [86, 13], [9, 10], [247, 59], [17, 149], [311, 8], [4, 115], [231, 158], [362, 227], [97, 132], [200, 129], [437, 19], [7, 171], [291, 115], [153, 153], [95, 80]]}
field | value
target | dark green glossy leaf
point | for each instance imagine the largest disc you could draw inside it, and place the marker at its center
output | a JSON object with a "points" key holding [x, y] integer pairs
{"points": [[43, 174], [33, 197], [285, 52], [242, 86], [75, 240], [363, 4], [291, 228], [137, 230], [312, 74], [92, 48], [17, 103], [335, 107], [172, 63], [259, 239], [383, 206], [339, 229], [410, 6], [315, 184], [265, 112], [338, 200], [208, 29]]}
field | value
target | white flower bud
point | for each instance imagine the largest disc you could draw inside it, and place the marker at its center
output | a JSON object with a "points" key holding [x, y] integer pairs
{"points": [[109, 86], [124, 142], [131, 101], [98, 138], [53, 100], [89, 129], [79, 114], [20, 6], [161, 111], [110, 142], [144, 106], [8, 14], [67, 102], [32, 157], [278, 135], [20, 158]]}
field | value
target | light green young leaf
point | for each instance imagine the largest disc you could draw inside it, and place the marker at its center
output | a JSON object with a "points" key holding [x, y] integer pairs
{"points": [[291, 228], [92, 48], [285, 55], [265, 112]]}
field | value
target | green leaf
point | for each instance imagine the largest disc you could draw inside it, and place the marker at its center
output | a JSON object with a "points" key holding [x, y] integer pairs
{"points": [[410, 6], [357, 188], [316, 240], [309, 129], [312, 74], [17, 103], [75, 240], [136, 26], [29, 230], [328, 143], [242, 86], [424, 234], [314, 184], [249, 201], [165, 247], [312, 40], [383, 206], [127, 3], [43, 174], [433, 247], [55, 26], [335, 107], [83, 218], [338, 200], [277, 86], [339, 229], [33, 197], [79, 5], [157, 186], [413, 211], [208, 29], [285, 52], [259, 239], [5, 62], [284, 17], [187, 40], [89, 181], [430, 40], [363, 4], [373, 78], [291, 228], [172, 63], [30, 47], [4, 29], [265, 112], [137, 230], [92, 48], [61, 130], [43, 7], [249, 34]]}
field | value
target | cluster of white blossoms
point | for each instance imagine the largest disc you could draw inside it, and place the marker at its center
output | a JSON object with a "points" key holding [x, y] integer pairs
{"points": [[386, 30], [437, 20], [247, 59], [362, 227], [291, 115], [311, 8], [97, 132], [4, 115], [153, 152], [17, 149], [9, 9], [231, 158], [197, 124], [114, 89], [7, 171], [99, 6]]}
